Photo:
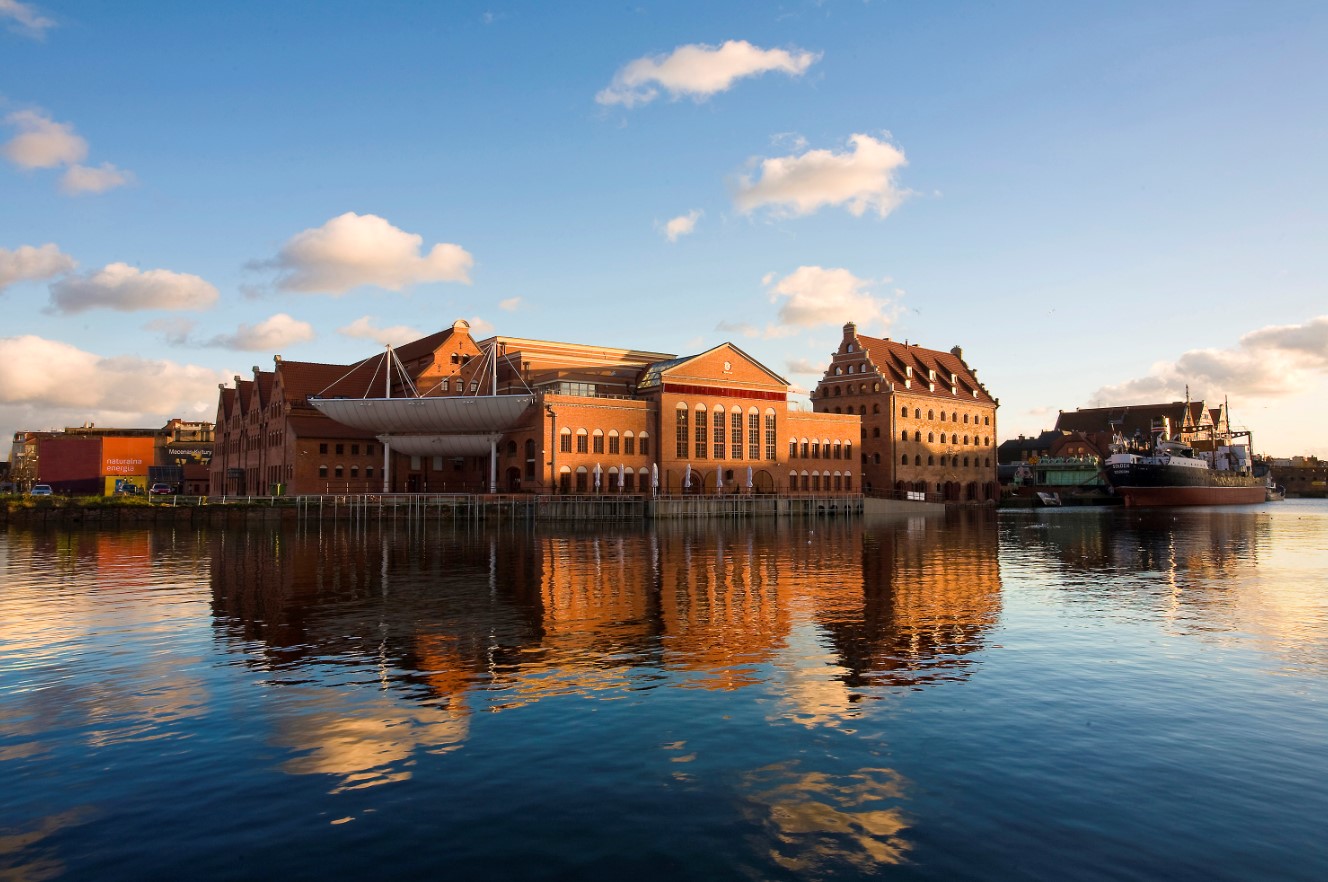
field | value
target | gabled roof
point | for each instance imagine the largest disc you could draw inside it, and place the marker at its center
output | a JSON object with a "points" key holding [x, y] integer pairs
{"points": [[653, 375], [1133, 419], [892, 360]]}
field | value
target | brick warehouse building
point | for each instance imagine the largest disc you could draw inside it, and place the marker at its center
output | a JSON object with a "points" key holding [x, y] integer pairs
{"points": [[928, 424], [600, 420]]}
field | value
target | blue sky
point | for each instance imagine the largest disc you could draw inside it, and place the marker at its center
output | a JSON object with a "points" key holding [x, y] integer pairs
{"points": [[1101, 203]]}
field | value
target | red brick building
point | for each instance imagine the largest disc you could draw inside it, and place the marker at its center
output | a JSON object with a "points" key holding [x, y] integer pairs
{"points": [[928, 424], [599, 419]]}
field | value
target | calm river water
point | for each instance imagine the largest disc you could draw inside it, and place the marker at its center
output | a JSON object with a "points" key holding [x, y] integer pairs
{"points": [[1062, 694]]}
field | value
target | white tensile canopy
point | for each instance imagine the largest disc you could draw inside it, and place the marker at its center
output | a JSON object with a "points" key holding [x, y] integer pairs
{"points": [[456, 415]]}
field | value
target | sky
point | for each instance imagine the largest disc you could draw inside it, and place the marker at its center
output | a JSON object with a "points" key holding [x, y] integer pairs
{"points": [[1101, 203]]}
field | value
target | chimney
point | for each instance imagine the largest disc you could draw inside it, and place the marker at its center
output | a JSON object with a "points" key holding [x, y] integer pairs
{"points": [[958, 353]]}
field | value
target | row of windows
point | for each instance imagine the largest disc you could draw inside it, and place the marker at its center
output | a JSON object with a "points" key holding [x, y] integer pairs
{"points": [[369, 449], [984, 441], [824, 448], [339, 471], [724, 437], [581, 481], [594, 442], [953, 461], [954, 416]]}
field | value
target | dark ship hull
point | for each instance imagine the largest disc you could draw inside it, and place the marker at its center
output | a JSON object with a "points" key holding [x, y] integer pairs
{"points": [[1155, 483]]}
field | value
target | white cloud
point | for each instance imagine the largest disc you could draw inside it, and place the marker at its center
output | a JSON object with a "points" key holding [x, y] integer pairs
{"points": [[861, 179], [42, 142], [683, 225], [52, 375], [25, 18], [353, 250], [84, 179], [174, 331], [362, 329], [511, 304], [814, 295], [804, 366], [26, 263], [266, 336], [479, 327], [1276, 361], [121, 287], [699, 71]]}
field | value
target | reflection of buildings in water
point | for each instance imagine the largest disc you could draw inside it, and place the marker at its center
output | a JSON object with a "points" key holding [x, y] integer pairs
{"points": [[76, 672], [929, 591], [25, 855], [824, 824]]}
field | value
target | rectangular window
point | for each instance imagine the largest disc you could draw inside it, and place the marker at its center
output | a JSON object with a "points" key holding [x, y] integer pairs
{"points": [[721, 434], [684, 449], [599, 443], [566, 443], [369, 449], [322, 448], [736, 447], [582, 443], [702, 435], [354, 471], [629, 445], [753, 436], [415, 463], [437, 463], [615, 444], [816, 450], [339, 472], [368, 471], [770, 440], [355, 450], [322, 471], [645, 445], [793, 450]]}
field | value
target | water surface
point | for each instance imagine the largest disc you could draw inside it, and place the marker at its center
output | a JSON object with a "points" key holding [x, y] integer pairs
{"points": [[1087, 694]]}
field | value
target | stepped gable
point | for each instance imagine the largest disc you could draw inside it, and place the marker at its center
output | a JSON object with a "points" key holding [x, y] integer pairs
{"points": [[892, 359]]}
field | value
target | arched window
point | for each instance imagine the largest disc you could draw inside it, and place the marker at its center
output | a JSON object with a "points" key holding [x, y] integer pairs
{"points": [[839, 391], [838, 450], [511, 448], [681, 435], [598, 439], [629, 443], [966, 462], [816, 481], [644, 439], [931, 460], [793, 480], [917, 460], [582, 479], [793, 448], [965, 418], [565, 479], [838, 410], [806, 481], [876, 387], [565, 444], [942, 416], [903, 460], [903, 412], [903, 436], [931, 414], [917, 413], [806, 449], [615, 442], [954, 417], [816, 449], [702, 431], [931, 437], [917, 436], [986, 421], [848, 450], [848, 480], [719, 432], [582, 441], [770, 436], [965, 440], [735, 432], [839, 371], [876, 408]]}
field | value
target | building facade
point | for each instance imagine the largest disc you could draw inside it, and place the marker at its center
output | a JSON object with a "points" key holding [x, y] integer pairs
{"points": [[928, 424], [601, 420]]}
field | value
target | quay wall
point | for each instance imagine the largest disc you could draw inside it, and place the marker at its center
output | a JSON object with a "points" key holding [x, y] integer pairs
{"points": [[457, 507]]}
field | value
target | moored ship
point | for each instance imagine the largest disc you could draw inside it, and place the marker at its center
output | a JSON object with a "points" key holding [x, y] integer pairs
{"points": [[1173, 473]]}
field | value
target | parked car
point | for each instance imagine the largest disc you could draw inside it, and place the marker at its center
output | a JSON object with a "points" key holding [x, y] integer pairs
{"points": [[41, 490], [161, 490]]}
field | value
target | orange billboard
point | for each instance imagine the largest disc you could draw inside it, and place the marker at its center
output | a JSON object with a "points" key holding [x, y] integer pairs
{"points": [[125, 456]]}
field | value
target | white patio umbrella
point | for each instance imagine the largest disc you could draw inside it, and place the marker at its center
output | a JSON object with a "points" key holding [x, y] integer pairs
{"points": [[622, 476], [719, 479], [749, 478], [598, 471], [654, 478], [687, 478]]}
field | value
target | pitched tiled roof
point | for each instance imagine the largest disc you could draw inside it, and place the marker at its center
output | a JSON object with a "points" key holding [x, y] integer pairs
{"points": [[323, 427], [1130, 420], [892, 359]]}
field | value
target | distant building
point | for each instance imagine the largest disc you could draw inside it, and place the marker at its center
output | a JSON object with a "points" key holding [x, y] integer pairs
{"points": [[99, 460], [1193, 422], [1302, 476], [599, 419], [928, 424]]}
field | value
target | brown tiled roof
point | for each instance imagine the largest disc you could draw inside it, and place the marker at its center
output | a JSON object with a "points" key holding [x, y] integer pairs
{"points": [[1129, 420], [891, 358], [300, 379]]}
